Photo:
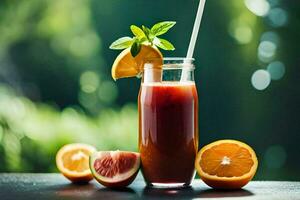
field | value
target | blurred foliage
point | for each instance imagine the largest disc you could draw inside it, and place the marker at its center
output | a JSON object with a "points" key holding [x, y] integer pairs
{"points": [[54, 40], [31, 133], [55, 84]]}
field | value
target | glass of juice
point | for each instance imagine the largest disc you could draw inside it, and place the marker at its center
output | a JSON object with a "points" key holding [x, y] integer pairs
{"points": [[168, 122]]}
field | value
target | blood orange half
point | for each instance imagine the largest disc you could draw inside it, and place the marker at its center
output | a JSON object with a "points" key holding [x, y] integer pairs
{"points": [[226, 164], [115, 168]]}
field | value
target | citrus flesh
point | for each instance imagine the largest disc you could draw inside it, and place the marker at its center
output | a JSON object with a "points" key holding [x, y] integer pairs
{"points": [[72, 161], [115, 168], [125, 65], [226, 164]]}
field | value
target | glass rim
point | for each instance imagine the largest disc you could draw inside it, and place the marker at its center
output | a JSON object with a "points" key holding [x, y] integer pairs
{"points": [[172, 59], [172, 63], [178, 59]]}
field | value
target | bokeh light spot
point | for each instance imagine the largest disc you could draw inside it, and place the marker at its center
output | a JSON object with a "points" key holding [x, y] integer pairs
{"points": [[243, 34], [271, 37], [85, 45], [275, 157], [276, 70], [89, 81], [277, 17], [266, 51], [108, 92], [87, 100], [261, 79], [258, 7], [273, 2], [240, 30]]}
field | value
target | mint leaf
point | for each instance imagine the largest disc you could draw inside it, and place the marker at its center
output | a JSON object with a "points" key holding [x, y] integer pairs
{"points": [[162, 27], [146, 30], [138, 32], [164, 44], [148, 34], [143, 40], [135, 48], [122, 43]]}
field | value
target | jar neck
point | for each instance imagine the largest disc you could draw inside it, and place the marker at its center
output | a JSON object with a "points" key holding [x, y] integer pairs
{"points": [[172, 70]]}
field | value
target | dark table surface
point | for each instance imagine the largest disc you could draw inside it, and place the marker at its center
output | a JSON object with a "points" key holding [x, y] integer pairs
{"points": [[55, 186]]}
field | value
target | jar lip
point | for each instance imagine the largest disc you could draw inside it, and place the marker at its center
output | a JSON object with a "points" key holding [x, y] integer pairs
{"points": [[175, 59], [184, 59], [178, 63], [173, 63]]}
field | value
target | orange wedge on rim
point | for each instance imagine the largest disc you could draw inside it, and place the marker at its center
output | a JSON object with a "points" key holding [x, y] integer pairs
{"points": [[126, 65], [226, 164], [72, 161]]}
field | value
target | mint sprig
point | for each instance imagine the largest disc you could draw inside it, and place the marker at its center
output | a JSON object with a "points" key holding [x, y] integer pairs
{"points": [[122, 43], [145, 35], [162, 27], [137, 31]]}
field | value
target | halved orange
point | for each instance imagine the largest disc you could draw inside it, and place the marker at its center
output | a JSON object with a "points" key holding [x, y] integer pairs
{"points": [[226, 164], [126, 65], [72, 160]]}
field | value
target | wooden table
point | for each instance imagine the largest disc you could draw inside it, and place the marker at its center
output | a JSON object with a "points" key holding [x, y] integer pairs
{"points": [[55, 186]]}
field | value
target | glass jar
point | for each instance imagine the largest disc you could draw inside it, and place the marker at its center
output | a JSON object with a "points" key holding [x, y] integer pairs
{"points": [[168, 122]]}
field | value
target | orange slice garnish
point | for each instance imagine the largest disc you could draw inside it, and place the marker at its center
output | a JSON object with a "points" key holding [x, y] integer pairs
{"points": [[72, 161], [126, 65], [226, 164]]}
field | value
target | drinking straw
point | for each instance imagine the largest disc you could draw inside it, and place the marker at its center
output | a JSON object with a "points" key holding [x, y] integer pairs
{"points": [[194, 36], [196, 29]]}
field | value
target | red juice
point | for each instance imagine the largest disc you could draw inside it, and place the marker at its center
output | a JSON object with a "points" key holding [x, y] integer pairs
{"points": [[168, 132]]}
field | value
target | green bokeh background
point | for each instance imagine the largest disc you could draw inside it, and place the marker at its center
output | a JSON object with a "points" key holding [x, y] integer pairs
{"points": [[56, 88]]}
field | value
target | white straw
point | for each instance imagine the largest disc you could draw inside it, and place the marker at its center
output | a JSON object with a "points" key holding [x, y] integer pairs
{"points": [[196, 29], [184, 74]]}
